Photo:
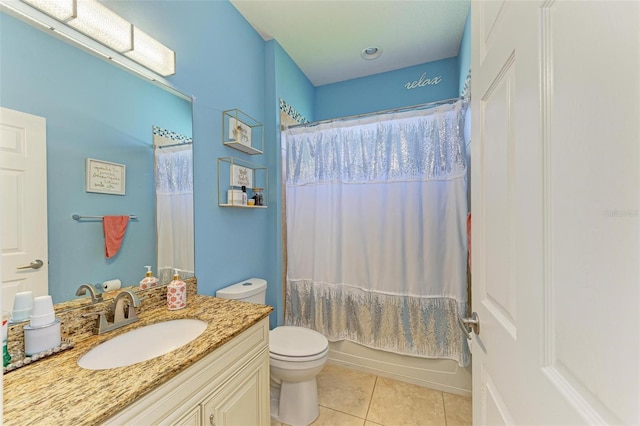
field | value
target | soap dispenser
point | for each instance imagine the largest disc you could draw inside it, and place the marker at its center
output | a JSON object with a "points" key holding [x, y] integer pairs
{"points": [[176, 293], [149, 280]]}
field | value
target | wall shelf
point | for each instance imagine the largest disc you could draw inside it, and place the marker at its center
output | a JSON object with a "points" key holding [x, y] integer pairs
{"points": [[242, 132], [233, 174]]}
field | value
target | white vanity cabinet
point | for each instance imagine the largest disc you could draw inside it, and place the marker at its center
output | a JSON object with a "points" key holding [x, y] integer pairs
{"points": [[230, 386]]}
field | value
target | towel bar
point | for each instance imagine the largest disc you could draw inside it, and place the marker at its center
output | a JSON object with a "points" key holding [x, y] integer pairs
{"points": [[78, 217]]}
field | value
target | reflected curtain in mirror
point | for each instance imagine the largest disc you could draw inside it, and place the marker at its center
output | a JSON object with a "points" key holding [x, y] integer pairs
{"points": [[174, 205]]}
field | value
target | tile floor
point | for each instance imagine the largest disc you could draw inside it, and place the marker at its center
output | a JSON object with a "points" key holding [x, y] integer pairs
{"points": [[352, 398]]}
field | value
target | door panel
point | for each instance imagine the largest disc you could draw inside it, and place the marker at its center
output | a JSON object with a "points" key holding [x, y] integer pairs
{"points": [[592, 213], [555, 198]]}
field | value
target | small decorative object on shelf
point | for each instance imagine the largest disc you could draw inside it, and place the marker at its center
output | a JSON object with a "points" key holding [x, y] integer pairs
{"points": [[242, 132], [239, 182]]}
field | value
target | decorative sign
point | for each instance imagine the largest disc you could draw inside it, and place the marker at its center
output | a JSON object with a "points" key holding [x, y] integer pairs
{"points": [[241, 176], [105, 177], [423, 81], [239, 132]]}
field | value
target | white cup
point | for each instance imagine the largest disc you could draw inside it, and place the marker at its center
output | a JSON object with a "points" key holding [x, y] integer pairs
{"points": [[44, 319], [20, 315], [42, 305], [23, 300]]}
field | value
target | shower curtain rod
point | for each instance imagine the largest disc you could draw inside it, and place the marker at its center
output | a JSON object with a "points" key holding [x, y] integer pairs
{"points": [[173, 144], [368, 114]]}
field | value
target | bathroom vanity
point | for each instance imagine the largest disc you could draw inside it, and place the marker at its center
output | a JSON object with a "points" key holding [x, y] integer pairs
{"points": [[230, 386], [219, 378]]}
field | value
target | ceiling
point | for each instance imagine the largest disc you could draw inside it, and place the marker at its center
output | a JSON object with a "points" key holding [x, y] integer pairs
{"points": [[325, 38]]}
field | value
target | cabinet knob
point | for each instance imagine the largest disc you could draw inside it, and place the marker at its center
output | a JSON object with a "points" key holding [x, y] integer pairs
{"points": [[212, 420]]}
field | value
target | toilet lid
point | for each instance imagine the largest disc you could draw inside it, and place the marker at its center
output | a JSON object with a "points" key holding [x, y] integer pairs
{"points": [[296, 341]]}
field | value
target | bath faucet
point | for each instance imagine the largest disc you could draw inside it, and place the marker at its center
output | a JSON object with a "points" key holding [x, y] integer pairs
{"points": [[120, 316], [82, 290]]}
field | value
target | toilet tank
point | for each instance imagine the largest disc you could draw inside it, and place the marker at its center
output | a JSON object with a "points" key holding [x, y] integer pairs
{"points": [[252, 290]]}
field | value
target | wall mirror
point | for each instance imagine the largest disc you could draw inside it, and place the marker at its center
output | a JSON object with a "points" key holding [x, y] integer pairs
{"points": [[93, 109]]}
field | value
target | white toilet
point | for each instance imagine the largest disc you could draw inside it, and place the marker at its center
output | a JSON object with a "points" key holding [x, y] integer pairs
{"points": [[296, 356]]}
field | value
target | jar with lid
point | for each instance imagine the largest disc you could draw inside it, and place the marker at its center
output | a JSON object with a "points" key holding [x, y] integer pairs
{"points": [[257, 195]]}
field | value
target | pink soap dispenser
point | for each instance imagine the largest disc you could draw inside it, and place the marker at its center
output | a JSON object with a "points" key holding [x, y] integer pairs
{"points": [[149, 280], [176, 293]]}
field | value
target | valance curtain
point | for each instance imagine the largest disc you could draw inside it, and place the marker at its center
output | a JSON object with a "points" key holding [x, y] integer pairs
{"points": [[174, 211], [376, 231]]}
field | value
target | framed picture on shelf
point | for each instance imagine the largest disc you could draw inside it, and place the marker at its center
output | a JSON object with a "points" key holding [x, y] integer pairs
{"points": [[241, 176], [239, 131]]}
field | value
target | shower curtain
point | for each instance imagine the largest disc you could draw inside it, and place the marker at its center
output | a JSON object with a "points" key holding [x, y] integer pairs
{"points": [[376, 231], [174, 211]]}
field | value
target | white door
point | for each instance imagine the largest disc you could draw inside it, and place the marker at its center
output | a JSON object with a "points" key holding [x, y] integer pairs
{"points": [[555, 196], [23, 204]]}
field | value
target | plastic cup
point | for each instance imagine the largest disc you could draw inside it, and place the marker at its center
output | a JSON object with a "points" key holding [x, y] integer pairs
{"points": [[41, 320], [20, 315], [23, 300], [42, 305]]}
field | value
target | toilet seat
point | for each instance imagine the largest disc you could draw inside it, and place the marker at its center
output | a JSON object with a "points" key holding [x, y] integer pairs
{"points": [[297, 344]]}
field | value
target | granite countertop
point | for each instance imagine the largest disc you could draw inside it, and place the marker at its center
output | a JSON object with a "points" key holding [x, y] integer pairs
{"points": [[55, 390]]}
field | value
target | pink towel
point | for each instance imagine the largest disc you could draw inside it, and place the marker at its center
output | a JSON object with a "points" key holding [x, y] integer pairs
{"points": [[114, 229]]}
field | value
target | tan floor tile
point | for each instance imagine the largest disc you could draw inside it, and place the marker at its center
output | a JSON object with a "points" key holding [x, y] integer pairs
{"points": [[457, 409], [397, 403], [345, 390], [329, 417], [276, 423], [370, 423]]}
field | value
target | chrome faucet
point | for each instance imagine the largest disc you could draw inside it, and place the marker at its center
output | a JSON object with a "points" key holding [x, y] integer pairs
{"points": [[119, 314], [121, 317], [82, 290]]}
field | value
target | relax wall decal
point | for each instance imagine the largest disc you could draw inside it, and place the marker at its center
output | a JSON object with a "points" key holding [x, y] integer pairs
{"points": [[423, 81]]}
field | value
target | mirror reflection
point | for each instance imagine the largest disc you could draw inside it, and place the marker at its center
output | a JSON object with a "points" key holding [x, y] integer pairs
{"points": [[95, 110]]}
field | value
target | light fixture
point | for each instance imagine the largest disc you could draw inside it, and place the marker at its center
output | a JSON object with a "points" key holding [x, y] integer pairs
{"points": [[62, 10], [95, 20], [103, 25], [152, 54], [371, 52]]}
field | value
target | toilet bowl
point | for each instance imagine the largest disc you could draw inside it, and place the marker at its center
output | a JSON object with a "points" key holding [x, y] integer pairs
{"points": [[296, 356]]}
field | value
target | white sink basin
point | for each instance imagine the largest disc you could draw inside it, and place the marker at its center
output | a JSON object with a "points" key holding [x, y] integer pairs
{"points": [[142, 344]]}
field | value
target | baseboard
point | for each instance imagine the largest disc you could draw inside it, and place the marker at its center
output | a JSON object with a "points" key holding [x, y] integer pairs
{"points": [[441, 374]]}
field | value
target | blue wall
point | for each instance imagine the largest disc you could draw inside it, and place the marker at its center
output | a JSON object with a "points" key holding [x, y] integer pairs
{"points": [[284, 80], [387, 90], [95, 110], [464, 54]]}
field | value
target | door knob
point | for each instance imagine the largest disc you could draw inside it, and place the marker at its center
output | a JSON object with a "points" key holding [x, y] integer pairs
{"points": [[36, 264], [471, 323]]}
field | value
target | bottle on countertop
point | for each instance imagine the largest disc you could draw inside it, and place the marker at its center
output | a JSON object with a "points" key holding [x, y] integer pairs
{"points": [[149, 280], [176, 293]]}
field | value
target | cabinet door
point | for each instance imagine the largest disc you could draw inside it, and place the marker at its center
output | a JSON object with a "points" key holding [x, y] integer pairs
{"points": [[192, 418], [244, 400]]}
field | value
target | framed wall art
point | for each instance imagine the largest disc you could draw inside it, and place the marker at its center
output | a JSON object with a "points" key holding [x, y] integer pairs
{"points": [[105, 177]]}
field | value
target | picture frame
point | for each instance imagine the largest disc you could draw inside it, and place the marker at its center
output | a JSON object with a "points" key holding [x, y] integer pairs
{"points": [[239, 132], [105, 177], [241, 176]]}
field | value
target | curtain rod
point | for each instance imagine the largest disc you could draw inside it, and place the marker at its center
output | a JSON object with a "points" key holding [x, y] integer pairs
{"points": [[367, 114], [173, 144]]}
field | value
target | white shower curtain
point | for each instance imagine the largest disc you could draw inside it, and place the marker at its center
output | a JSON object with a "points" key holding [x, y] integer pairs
{"points": [[174, 211], [376, 231]]}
